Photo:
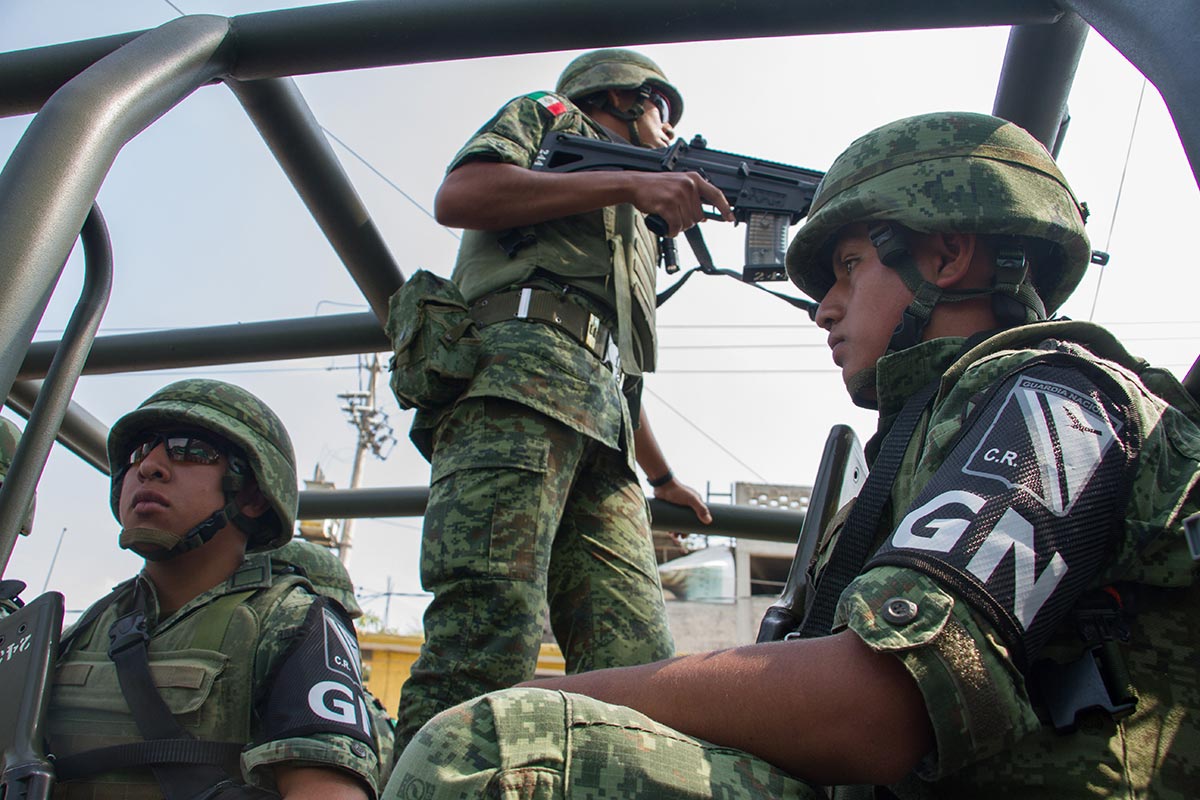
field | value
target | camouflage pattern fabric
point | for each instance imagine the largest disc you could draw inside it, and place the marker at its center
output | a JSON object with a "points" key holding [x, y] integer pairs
{"points": [[324, 571], [534, 743], [211, 688], [523, 510]]}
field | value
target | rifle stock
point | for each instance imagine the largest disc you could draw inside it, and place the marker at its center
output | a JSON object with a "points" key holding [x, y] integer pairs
{"points": [[766, 195]]}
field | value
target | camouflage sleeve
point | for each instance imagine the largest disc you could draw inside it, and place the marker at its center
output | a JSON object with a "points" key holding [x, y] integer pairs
{"points": [[974, 695], [315, 749], [514, 134]]}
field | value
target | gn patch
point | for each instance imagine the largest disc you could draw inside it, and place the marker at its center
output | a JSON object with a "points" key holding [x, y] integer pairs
{"points": [[318, 689], [1021, 516]]}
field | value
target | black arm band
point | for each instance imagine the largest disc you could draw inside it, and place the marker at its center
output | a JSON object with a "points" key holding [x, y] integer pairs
{"points": [[661, 480]]}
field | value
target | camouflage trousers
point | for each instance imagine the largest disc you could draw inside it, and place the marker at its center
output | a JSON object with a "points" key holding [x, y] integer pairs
{"points": [[525, 513], [534, 743]]}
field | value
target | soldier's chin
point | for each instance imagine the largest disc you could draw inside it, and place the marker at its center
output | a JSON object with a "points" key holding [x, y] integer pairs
{"points": [[149, 543]]}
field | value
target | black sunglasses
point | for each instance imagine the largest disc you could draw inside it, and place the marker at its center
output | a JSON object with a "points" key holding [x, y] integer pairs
{"points": [[194, 447]]}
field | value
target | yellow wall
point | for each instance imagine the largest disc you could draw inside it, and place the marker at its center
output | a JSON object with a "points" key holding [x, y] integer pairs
{"points": [[387, 658]]}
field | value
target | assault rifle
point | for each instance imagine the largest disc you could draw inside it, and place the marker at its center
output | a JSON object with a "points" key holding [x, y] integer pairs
{"points": [[29, 639], [840, 476], [766, 195]]}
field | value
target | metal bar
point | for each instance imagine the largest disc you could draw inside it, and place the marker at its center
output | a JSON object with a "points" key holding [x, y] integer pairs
{"points": [[377, 33], [51, 406], [410, 501], [1039, 68], [1159, 39], [286, 123], [306, 337], [81, 433], [51, 178]]}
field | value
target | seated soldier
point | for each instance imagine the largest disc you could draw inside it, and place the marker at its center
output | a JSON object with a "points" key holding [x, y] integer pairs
{"points": [[207, 675], [1008, 609]]}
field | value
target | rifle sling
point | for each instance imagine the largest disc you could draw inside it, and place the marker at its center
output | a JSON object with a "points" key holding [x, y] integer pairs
{"points": [[706, 265], [857, 539], [128, 636]]}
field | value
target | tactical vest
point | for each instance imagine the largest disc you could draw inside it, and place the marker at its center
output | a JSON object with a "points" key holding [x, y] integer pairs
{"points": [[202, 666], [612, 242]]}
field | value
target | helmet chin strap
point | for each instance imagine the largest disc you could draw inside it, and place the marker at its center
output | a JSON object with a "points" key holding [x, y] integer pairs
{"points": [[630, 115], [1014, 301], [158, 545]]}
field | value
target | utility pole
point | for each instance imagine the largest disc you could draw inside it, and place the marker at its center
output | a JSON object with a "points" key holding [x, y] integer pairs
{"points": [[374, 432]]}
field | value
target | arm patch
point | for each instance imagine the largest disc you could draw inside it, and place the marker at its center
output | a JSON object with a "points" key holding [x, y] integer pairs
{"points": [[1023, 513], [318, 687]]}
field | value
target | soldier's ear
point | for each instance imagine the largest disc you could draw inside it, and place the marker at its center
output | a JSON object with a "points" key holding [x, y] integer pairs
{"points": [[953, 255], [252, 502]]}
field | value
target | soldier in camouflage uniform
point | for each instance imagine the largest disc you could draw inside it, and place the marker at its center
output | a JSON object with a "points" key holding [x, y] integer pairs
{"points": [[329, 577], [254, 678], [534, 496], [1020, 617]]}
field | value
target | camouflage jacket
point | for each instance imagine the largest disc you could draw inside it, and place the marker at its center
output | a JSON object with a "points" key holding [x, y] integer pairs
{"points": [[532, 364], [944, 553], [213, 661]]}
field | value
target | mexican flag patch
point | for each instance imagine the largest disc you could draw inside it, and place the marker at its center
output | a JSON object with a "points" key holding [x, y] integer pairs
{"points": [[549, 102]]}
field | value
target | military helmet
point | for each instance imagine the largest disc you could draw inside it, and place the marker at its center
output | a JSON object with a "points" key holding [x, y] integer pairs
{"points": [[10, 437], [948, 172], [238, 416], [323, 569], [616, 69]]}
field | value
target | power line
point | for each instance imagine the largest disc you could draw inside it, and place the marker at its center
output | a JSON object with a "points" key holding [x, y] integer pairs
{"points": [[703, 433], [1112, 223], [388, 181]]}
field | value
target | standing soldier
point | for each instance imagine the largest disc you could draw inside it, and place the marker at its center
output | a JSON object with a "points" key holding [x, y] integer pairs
{"points": [[207, 675], [534, 497], [1008, 609]]}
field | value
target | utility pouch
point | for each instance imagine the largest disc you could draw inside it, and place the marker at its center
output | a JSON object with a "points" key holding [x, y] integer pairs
{"points": [[435, 342], [28, 647]]}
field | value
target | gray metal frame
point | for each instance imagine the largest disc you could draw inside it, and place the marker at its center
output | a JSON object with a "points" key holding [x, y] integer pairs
{"points": [[91, 97]]}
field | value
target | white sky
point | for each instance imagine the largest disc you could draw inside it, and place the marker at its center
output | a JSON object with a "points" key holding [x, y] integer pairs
{"points": [[206, 230]]}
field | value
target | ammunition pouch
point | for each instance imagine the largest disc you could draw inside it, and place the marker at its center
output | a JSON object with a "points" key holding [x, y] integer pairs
{"points": [[435, 342], [29, 638]]}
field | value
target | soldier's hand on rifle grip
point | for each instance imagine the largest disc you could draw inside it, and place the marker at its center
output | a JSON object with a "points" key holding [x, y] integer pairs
{"points": [[676, 198]]}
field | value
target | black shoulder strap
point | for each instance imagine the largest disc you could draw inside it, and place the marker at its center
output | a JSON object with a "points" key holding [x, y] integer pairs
{"points": [[92, 614], [127, 649], [857, 538]]}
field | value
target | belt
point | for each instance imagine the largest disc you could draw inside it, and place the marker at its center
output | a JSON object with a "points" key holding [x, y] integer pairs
{"points": [[551, 308]]}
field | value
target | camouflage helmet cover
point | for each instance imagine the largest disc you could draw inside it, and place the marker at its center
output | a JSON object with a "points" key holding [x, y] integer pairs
{"points": [[617, 69], [238, 416], [948, 172], [10, 437], [324, 570]]}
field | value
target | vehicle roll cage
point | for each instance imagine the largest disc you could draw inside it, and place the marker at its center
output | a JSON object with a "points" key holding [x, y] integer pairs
{"points": [[92, 97]]}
